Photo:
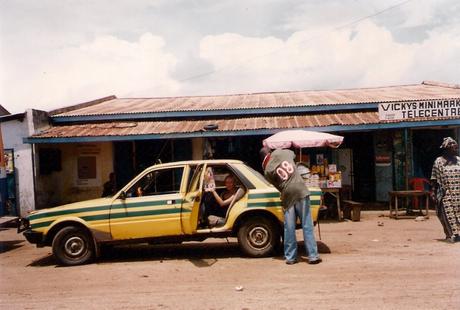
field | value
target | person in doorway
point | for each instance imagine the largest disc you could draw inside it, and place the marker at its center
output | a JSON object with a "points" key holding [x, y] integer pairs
{"points": [[110, 187], [281, 171], [445, 179]]}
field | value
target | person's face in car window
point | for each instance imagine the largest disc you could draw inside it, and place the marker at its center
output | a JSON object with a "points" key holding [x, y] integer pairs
{"points": [[229, 183]]}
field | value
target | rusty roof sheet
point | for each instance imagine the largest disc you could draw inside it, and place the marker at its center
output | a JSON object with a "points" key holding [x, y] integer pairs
{"points": [[139, 128], [113, 105], [239, 124], [177, 127]]}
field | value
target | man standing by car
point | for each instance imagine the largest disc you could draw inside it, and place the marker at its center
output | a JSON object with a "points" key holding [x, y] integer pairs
{"points": [[281, 171]]}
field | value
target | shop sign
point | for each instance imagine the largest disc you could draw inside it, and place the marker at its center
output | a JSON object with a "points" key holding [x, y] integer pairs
{"points": [[419, 109]]}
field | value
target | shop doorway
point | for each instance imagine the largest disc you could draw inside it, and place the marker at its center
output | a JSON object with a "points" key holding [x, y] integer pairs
{"points": [[363, 175], [244, 148], [426, 149], [134, 156], [123, 162], [10, 205]]}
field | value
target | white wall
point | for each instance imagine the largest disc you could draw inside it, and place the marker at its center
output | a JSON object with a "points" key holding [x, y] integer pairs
{"points": [[13, 132]]}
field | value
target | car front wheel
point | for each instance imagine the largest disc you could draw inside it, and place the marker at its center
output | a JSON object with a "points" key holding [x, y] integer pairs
{"points": [[258, 237], [73, 246]]}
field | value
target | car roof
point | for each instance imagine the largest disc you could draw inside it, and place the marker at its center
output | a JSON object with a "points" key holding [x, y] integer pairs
{"points": [[196, 162]]}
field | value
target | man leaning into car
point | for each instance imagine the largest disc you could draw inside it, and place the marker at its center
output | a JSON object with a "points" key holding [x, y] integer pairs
{"points": [[280, 170]]}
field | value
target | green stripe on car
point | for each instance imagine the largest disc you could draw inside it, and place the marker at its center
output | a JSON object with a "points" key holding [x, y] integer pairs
{"points": [[107, 216], [264, 195], [140, 213], [103, 208]]}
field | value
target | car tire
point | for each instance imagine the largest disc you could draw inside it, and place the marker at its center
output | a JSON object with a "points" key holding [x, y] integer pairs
{"points": [[73, 246], [258, 237]]}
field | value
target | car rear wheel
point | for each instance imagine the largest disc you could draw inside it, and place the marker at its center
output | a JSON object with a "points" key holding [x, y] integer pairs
{"points": [[73, 246], [258, 237]]}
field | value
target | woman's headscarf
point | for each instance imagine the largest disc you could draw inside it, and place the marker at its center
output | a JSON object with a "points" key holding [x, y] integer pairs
{"points": [[448, 142]]}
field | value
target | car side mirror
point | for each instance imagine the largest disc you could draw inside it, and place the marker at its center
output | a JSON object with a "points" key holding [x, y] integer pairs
{"points": [[122, 195]]}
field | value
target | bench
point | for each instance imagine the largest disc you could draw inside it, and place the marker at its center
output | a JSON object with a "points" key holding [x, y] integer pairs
{"points": [[352, 210]]}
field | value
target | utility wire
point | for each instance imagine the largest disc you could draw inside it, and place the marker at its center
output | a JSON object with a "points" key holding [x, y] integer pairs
{"points": [[354, 22]]}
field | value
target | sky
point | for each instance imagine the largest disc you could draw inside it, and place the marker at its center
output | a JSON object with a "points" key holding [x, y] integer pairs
{"points": [[56, 53]]}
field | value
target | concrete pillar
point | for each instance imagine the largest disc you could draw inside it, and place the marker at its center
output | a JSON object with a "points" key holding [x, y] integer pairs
{"points": [[197, 148]]}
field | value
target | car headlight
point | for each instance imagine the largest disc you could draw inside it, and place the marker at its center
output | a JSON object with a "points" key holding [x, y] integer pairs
{"points": [[23, 224]]}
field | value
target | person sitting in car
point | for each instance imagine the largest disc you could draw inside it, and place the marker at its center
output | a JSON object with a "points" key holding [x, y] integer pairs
{"points": [[225, 198]]}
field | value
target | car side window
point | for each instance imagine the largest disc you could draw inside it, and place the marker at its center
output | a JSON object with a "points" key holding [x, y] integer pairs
{"points": [[158, 182], [194, 178]]}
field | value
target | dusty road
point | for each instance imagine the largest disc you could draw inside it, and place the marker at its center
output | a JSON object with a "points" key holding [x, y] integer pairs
{"points": [[400, 265]]}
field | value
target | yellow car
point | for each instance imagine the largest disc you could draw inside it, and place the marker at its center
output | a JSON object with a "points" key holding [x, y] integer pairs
{"points": [[167, 203]]}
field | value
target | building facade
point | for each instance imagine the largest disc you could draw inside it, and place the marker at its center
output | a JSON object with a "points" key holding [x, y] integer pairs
{"points": [[20, 159], [85, 143]]}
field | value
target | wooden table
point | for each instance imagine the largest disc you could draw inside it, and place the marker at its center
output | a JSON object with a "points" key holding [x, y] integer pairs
{"points": [[396, 195], [334, 192]]}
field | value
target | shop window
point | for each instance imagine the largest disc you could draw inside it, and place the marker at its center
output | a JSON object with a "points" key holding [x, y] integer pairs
{"points": [[49, 160]]}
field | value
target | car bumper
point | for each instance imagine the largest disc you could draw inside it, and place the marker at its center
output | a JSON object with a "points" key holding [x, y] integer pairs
{"points": [[34, 237]]}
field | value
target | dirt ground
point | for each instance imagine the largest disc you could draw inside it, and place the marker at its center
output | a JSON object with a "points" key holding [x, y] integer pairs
{"points": [[403, 264]]}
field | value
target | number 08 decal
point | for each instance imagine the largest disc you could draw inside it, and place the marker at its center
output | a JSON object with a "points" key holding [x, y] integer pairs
{"points": [[284, 170]]}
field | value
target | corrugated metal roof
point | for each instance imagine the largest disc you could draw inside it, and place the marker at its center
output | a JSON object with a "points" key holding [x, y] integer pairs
{"points": [[239, 124], [111, 106], [120, 129]]}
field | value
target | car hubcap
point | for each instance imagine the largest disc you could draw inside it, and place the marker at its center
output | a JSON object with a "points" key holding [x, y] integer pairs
{"points": [[74, 246], [258, 237]]}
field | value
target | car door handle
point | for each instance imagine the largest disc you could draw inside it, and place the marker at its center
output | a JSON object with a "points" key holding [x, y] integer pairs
{"points": [[170, 202]]}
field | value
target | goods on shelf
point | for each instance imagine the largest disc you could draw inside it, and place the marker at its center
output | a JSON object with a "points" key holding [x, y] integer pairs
{"points": [[325, 175]]}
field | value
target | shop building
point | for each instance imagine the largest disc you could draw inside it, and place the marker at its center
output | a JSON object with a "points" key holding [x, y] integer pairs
{"points": [[85, 142]]}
